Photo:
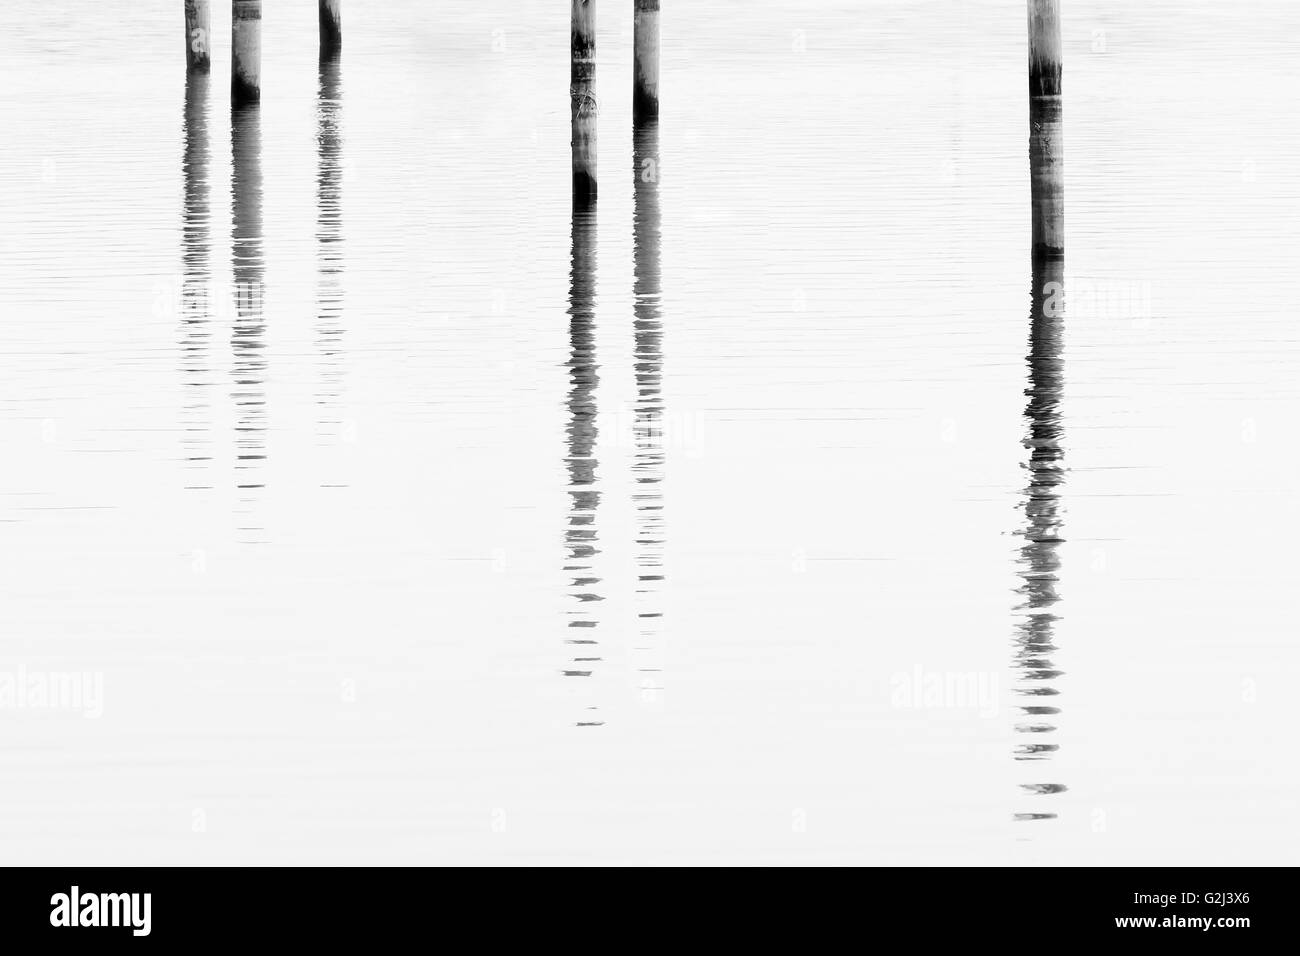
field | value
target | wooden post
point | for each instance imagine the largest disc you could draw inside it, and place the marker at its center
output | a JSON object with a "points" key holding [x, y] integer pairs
{"points": [[198, 30], [582, 100], [1046, 145], [645, 61], [246, 52], [331, 28]]}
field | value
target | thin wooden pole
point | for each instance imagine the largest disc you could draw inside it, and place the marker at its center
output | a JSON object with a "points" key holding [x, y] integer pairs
{"points": [[645, 61], [1046, 143], [331, 27], [582, 97], [246, 52], [198, 29]]}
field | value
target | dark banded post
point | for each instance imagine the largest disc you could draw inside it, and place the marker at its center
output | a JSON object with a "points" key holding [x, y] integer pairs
{"points": [[645, 61], [198, 31], [582, 97], [246, 52], [331, 28], [1046, 144]]}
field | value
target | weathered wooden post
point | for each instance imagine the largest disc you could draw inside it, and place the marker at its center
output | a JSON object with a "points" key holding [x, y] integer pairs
{"points": [[198, 29], [645, 61], [1046, 146], [331, 27], [1039, 558], [582, 99], [246, 52]]}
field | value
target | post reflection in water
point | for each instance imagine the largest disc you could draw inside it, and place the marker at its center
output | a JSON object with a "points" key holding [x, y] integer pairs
{"points": [[329, 242], [247, 339], [1039, 559], [196, 277], [649, 459], [581, 538]]}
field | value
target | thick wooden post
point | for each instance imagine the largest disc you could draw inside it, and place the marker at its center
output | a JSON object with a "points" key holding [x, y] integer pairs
{"points": [[246, 52], [582, 97], [198, 30], [645, 61], [1046, 144], [331, 27]]}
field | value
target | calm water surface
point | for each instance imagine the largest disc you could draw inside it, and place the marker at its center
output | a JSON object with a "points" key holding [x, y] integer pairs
{"points": [[775, 512]]}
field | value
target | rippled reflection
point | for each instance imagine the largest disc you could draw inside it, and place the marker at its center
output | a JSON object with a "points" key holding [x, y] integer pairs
{"points": [[247, 339], [1039, 560], [196, 277], [649, 459], [329, 254], [581, 538]]}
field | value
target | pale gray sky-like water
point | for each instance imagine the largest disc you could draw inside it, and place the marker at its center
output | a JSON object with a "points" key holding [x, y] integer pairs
{"points": [[377, 509]]}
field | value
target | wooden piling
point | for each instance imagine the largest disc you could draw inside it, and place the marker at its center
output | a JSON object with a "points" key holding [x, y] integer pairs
{"points": [[198, 30], [246, 52], [331, 28], [582, 99], [1046, 143], [645, 61]]}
